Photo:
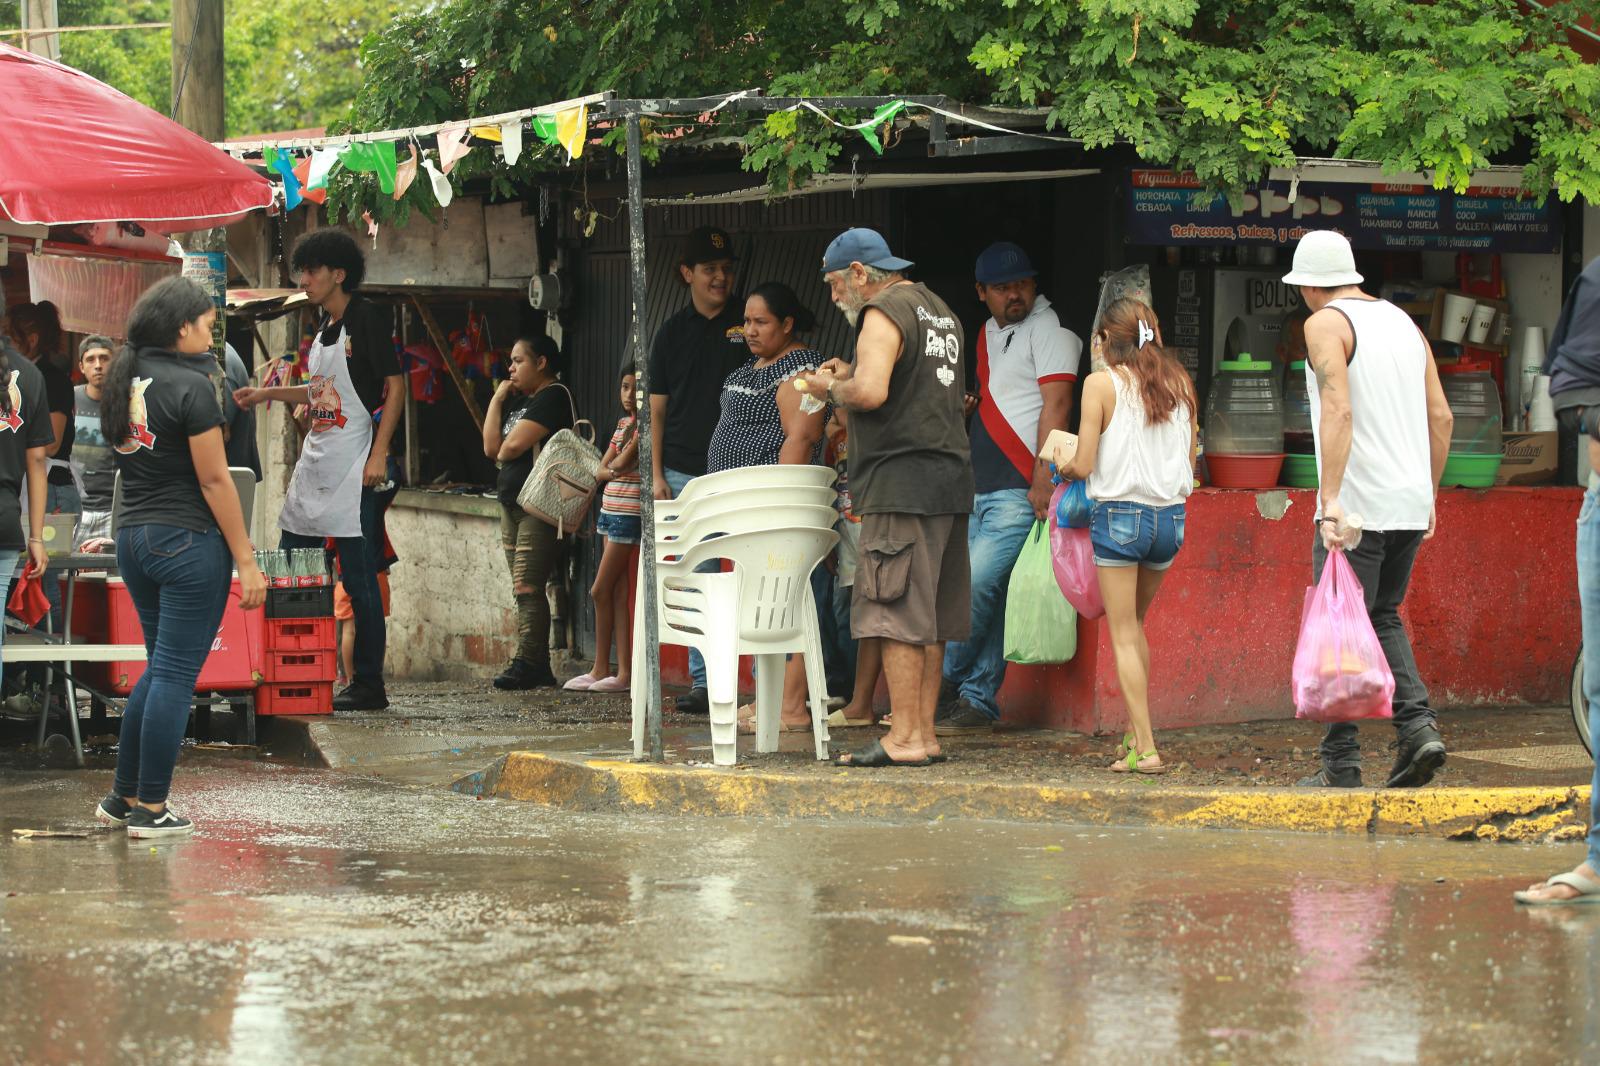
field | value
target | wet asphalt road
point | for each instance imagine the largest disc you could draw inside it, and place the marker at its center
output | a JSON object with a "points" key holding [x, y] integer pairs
{"points": [[320, 919]]}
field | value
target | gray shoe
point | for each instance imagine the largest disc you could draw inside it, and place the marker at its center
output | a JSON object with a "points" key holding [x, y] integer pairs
{"points": [[961, 719], [949, 696], [1421, 755], [1326, 778]]}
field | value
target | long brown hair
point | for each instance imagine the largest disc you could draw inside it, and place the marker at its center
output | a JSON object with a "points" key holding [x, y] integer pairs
{"points": [[1163, 383]]}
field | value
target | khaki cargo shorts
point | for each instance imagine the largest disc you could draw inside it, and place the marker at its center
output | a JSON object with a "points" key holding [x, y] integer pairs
{"points": [[913, 579]]}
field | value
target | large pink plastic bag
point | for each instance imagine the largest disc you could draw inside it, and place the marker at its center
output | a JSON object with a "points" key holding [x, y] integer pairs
{"points": [[1340, 673], [1073, 559]]}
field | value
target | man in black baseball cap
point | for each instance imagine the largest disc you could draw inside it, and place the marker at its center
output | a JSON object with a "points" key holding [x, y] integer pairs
{"points": [[693, 353]]}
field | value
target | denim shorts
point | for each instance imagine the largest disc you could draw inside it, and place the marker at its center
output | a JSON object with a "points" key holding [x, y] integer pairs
{"points": [[618, 528], [1136, 534]]}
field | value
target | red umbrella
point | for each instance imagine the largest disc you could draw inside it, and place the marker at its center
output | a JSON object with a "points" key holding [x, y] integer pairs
{"points": [[75, 150]]}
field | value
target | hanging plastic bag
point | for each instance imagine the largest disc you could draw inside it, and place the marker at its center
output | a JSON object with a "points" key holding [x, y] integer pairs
{"points": [[1072, 557], [1073, 506], [1340, 673], [1041, 626]]}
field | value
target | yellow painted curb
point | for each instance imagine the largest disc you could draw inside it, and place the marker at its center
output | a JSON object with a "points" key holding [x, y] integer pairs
{"points": [[1515, 814]]}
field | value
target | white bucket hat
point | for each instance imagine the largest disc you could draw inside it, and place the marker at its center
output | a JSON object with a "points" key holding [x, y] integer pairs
{"points": [[1323, 260]]}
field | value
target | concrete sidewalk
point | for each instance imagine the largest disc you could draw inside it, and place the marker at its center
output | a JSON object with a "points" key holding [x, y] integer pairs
{"points": [[1514, 774]]}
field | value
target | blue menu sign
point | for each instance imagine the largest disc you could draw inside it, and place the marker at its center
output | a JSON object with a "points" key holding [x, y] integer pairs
{"points": [[1168, 207]]}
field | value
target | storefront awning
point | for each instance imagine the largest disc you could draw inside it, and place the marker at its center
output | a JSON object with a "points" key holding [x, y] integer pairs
{"points": [[74, 150]]}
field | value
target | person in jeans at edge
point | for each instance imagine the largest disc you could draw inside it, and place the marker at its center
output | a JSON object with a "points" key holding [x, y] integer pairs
{"points": [[1027, 365], [97, 471], [910, 480], [180, 524], [1382, 433], [693, 353], [351, 370], [1572, 362]]}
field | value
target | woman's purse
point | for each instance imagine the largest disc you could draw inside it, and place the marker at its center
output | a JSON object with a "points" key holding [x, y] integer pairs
{"points": [[562, 483]]}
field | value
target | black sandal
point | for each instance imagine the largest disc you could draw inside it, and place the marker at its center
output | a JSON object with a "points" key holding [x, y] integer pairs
{"points": [[874, 755]]}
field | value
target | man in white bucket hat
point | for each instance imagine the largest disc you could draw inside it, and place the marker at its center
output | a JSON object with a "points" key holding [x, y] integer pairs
{"points": [[1382, 431]]}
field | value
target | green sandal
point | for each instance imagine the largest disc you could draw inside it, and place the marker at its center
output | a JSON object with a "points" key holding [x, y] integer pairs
{"points": [[1135, 763], [1126, 746]]}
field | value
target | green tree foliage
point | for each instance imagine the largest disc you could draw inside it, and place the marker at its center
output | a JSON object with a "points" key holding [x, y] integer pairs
{"points": [[1228, 89], [287, 67]]}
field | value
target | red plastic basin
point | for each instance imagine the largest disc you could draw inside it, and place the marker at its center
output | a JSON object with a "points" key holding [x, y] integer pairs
{"points": [[1244, 471]]}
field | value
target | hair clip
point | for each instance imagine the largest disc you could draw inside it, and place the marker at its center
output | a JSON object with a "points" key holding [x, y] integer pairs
{"points": [[1146, 334]]}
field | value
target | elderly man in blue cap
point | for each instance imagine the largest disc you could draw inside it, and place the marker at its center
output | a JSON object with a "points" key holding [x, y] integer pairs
{"points": [[1027, 368], [910, 480]]}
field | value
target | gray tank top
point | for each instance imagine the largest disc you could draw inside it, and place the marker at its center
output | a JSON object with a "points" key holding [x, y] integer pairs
{"points": [[911, 455]]}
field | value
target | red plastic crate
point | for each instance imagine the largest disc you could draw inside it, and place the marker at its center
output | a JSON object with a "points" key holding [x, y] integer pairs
{"points": [[300, 634], [103, 613], [299, 697], [282, 667]]}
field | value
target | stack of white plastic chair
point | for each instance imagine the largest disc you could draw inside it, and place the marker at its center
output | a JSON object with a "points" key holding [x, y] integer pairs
{"points": [[775, 524]]}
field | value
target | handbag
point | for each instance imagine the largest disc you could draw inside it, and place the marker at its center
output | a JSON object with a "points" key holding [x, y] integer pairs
{"points": [[562, 483]]}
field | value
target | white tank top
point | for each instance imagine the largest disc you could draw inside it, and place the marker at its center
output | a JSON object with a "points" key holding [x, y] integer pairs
{"points": [[1389, 478], [1138, 462]]}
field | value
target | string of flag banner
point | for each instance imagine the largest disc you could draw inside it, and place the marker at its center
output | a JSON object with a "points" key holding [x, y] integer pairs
{"points": [[304, 166]]}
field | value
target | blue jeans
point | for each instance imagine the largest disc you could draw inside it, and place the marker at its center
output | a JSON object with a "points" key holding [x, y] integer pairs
{"points": [[178, 580], [676, 480], [8, 570], [358, 571], [1000, 523], [1136, 534], [1589, 597]]}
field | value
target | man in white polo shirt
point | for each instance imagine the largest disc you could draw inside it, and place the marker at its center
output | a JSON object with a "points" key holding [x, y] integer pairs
{"points": [[1027, 365], [1382, 428]]}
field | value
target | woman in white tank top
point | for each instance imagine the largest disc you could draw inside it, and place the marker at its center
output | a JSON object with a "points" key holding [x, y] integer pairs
{"points": [[1136, 450]]}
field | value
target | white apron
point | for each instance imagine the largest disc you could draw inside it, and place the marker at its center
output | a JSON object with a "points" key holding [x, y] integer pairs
{"points": [[324, 498]]}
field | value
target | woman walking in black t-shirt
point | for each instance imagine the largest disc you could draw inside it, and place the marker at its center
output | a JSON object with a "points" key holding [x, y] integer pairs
{"points": [[25, 438], [179, 524], [527, 408]]}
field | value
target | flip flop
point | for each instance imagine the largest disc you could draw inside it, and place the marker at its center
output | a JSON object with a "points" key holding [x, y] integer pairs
{"points": [[837, 720], [1134, 763], [874, 755], [939, 758], [747, 727], [1588, 891]]}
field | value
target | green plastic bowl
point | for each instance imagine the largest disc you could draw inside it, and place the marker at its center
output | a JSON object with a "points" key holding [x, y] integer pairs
{"points": [[1299, 471], [1470, 471]]}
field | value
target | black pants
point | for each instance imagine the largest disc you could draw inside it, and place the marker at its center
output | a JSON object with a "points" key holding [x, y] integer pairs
{"points": [[1382, 563]]}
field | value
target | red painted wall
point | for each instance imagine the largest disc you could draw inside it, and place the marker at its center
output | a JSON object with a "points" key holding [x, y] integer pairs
{"points": [[1492, 610]]}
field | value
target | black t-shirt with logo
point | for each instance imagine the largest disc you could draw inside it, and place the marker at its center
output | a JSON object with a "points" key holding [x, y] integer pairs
{"points": [[27, 426], [691, 357], [59, 396], [369, 327], [172, 401], [551, 407]]}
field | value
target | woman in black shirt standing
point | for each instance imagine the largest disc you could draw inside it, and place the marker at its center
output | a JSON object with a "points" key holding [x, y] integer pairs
{"points": [[527, 408], [25, 438], [180, 523]]}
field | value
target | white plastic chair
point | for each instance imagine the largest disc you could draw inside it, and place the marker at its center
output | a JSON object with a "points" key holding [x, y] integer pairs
{"points": [[775, 475], [672, 541], [750, 497], [762, 608]]}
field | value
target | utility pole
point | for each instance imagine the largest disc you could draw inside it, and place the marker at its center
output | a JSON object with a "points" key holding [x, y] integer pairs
{"points": [[41, 15], [197, 104]]}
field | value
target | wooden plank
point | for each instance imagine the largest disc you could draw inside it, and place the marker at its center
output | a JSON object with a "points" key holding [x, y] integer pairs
{"points": [[437, 336]]}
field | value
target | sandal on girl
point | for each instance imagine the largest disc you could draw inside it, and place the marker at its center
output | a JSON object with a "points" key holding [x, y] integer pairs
{"points": [[1134, 763]]}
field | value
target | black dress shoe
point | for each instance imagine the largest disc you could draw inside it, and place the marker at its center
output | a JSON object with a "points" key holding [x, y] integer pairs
{"points": [[1349, 777], [1421, 755], [361, 696], [522, 675], [695, 701]]}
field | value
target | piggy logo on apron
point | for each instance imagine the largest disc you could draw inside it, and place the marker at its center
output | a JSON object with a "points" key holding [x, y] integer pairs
{"points": [[13, 421], [139, 435], [324, 498]]}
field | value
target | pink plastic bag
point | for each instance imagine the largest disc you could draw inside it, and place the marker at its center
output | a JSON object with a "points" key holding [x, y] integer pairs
{"points": [[1340, 673], [1073, 559]]}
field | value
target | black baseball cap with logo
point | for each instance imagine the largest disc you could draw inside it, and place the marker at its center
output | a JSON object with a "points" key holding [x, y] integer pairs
{"points": [[707, 244]]}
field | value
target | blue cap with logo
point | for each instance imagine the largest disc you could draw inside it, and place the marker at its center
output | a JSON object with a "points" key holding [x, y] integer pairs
{"points": [[1003, 261], [864, 246]]}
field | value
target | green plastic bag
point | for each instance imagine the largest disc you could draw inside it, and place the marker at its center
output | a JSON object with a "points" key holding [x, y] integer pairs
{"points": [[1041, 626]]}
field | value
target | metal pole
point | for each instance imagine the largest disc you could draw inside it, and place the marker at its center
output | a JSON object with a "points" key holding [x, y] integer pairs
{"points": [[647, 503]]}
